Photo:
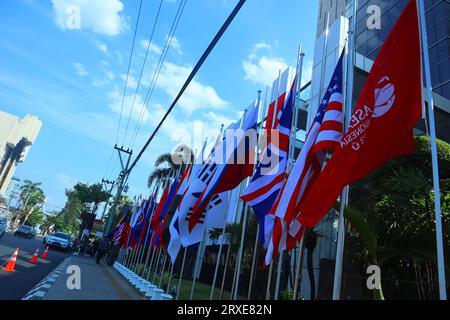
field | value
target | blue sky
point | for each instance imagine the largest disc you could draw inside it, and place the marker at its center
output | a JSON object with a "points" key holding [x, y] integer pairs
{"points": [[73, 79]]}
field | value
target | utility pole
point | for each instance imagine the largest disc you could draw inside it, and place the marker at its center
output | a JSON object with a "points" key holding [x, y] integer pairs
{"points": [[121, 182], [105, 184]]}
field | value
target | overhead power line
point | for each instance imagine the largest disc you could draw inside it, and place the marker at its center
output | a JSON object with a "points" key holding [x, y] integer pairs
{"points": [[189, 79], [128, 70], [158, 68], [150, 42]]}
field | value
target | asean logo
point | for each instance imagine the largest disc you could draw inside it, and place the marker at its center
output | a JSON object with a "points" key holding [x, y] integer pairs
{"points": [[384, 97]]}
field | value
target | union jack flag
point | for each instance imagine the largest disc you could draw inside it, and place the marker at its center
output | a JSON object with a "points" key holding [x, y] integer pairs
{"points": [[324, 134], [263, 189]]}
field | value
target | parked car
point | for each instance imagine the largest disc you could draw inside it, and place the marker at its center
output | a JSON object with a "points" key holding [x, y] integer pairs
{"points": [[2, 226], [25, 231], [59, 240]]}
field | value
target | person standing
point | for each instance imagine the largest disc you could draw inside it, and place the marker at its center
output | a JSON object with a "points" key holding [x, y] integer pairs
{"points": [[102, 248]]}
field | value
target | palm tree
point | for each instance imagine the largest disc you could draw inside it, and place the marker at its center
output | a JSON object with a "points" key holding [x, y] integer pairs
{"points": [[30, 196], [167, 164], [35, 200]]}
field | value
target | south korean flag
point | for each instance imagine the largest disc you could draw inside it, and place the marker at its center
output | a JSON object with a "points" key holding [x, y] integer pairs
{"points": [[212, 218]]}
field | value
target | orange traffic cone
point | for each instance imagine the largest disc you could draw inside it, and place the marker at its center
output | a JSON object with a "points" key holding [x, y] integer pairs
{"points": [[12, 262], [44, 255], [35, 256]]}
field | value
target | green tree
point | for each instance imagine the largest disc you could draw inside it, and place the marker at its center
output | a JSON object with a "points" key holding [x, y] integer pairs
{"points": [[91, 195], [36, 217], [391, 214]]}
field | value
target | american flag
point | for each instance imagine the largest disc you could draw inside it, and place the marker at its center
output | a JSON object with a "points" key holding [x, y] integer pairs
{"points": [[324, 134], [118, 234]]}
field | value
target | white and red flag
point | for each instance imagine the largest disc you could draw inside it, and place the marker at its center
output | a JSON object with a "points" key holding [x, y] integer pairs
{"points": [[381, 126]]}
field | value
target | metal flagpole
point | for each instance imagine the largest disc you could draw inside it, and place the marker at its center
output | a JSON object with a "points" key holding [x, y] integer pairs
{"points": [[277, 284], [153, 252], [147, 258], [181, 273], [291, 151], [225, 271], [238, 208], [197, 261], [252, 272], [269, 280], [156, 265], [255, 248], [432, 125], [298, 267], [344, 196], [269, 277], [241, 251], [294, 139], [162, 270], [141, 257], [170, 276], [219, 254], [244, 223]]}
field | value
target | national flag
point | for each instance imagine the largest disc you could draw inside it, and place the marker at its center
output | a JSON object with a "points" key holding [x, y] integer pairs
{"points": [[280, 89], [174, 228], [137, 226], [381, 126], [263, 189], [325, 132], [156, 219], [232, 162], [164, 214]]}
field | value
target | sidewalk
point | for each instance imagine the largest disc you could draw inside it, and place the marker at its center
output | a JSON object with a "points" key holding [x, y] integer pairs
{"points": [[98, 282]]}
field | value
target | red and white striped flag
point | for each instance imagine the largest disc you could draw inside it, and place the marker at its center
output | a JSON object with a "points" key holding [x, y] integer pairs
{"points": [[324, 134]]}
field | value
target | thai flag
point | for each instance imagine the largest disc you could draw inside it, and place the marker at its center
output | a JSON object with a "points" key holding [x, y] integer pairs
{"points": [[266, 183], [136, 225], [324, 134]]}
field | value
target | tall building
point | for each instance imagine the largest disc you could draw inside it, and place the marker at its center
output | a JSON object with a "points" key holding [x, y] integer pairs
{"points": [[370, 40], [334, 18], [16, 138]]}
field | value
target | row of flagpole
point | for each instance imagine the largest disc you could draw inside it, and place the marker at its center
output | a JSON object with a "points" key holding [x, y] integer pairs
{"points": [[153, 256]]}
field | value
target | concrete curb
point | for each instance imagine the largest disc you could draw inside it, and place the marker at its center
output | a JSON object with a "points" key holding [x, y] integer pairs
{"points": [[41, 289]]}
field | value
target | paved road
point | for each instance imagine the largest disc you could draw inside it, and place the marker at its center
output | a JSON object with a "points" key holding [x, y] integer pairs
{"points": [[13, 286]]}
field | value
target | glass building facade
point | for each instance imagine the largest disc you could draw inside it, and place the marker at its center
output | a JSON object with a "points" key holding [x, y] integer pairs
{"points": [[369, 42]]}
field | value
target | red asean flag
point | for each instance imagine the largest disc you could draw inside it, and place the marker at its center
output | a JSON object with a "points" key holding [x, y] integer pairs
{"points": [[381, 126]]}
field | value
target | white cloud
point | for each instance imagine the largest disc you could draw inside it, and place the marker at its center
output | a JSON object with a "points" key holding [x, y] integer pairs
{"points": [[80, 69], [153, 47], [261, 69], [101, 16], [137, 111], [197, 96], [108, 75], [131, 83], [264, 70], [175, 44], [101, 46]]}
